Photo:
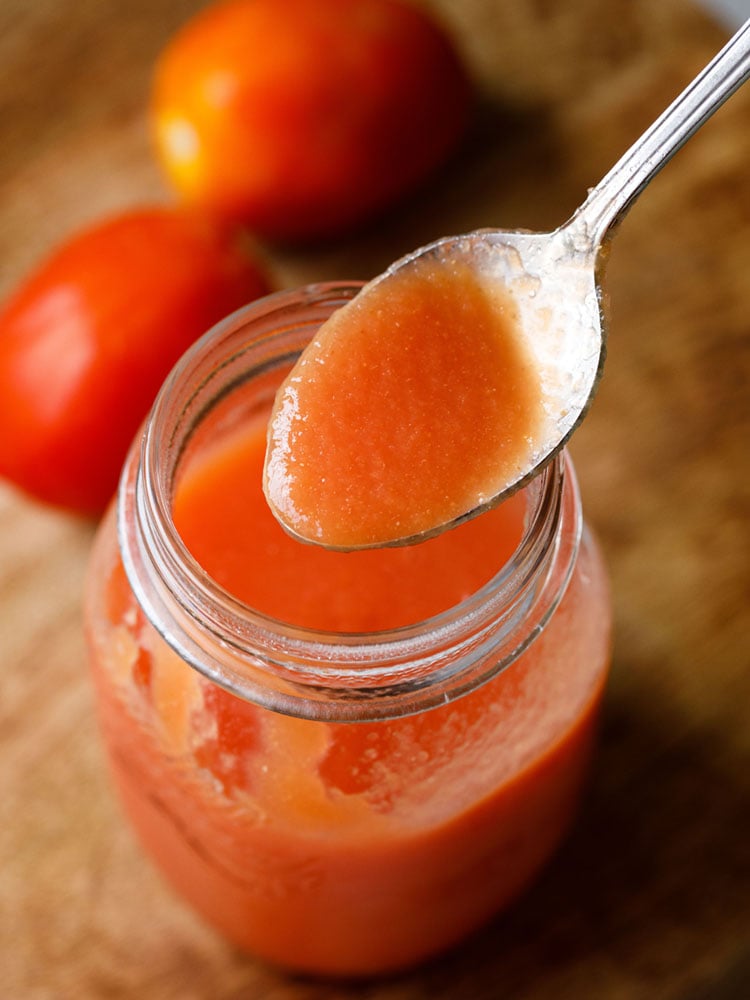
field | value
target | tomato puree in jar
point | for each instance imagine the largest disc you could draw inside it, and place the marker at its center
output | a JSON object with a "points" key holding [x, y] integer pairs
{"points": [[223, 516], [414, 404], [322, 844], [349, 848]]}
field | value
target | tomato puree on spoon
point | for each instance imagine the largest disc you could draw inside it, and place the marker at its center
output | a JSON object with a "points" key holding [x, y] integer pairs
{"points": [[413, 405]]}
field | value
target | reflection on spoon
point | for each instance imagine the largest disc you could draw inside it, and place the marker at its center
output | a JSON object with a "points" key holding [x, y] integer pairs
{"points": [[451, 379]]}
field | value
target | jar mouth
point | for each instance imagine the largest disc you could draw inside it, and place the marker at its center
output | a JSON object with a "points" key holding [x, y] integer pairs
{"points": [[240, 647]]}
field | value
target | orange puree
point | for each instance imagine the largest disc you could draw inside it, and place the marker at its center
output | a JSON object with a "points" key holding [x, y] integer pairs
{"points": [[331, 847], [414, 404], [244, 548]]}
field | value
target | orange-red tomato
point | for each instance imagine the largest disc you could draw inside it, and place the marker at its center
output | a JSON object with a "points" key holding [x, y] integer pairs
{"points": [[87, 340], [302, 118]]}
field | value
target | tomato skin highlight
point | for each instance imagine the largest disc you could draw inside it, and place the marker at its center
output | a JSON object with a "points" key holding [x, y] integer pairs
{"points": [[305, 118], [88, 338]]}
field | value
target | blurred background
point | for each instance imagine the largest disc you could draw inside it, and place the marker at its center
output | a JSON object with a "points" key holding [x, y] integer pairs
{"points": [[730, 12], [650, 896]]}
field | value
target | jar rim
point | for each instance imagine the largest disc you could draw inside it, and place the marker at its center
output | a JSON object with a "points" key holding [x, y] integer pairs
{"points": [[241, 648]]}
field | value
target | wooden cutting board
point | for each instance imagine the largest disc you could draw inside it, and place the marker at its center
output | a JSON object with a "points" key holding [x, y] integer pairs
{"points": [[650, 897]]}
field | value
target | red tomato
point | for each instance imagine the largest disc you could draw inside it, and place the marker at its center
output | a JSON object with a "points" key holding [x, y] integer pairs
{"points": [[302, 118], [86, 342]]}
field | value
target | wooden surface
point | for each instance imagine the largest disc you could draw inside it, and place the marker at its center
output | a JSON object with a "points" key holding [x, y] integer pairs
{"points": [[650, 898]]}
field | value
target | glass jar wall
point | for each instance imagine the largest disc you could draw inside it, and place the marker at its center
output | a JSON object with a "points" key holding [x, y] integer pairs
{"points": [[344, 762]]}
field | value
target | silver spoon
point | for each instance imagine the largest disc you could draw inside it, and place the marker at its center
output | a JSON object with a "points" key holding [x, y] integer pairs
{"points": [[553, 278]]}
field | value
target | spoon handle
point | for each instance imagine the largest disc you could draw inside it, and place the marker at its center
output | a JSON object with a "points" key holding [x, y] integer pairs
{"points": [[608, 202]]}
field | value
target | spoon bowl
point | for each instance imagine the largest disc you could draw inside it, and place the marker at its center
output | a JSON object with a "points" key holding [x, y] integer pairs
{"points": [[554, 283]]}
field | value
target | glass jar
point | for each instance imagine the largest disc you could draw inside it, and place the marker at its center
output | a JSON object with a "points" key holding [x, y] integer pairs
{"points": [[336, 802]]}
